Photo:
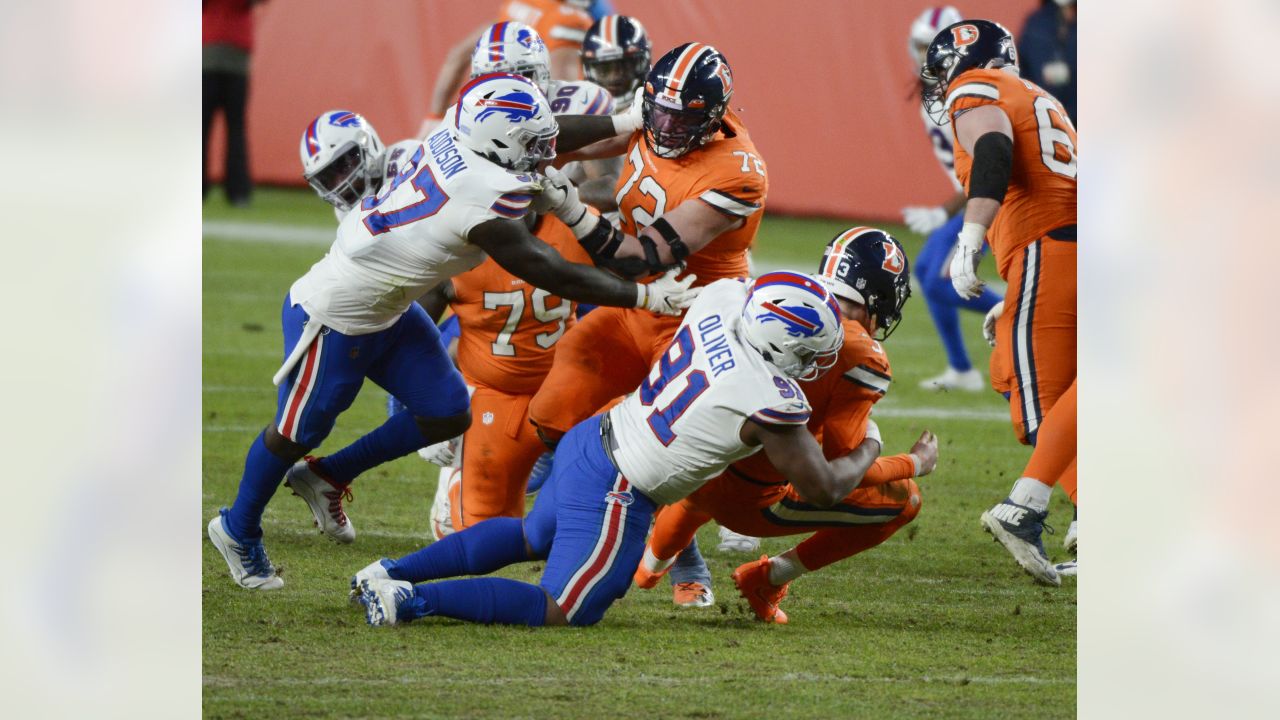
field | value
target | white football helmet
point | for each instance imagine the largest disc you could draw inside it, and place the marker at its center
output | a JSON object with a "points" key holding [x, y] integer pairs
{"points": [[794, 322], [508, 120], [926, 27], [515, 48], [342, 157]]}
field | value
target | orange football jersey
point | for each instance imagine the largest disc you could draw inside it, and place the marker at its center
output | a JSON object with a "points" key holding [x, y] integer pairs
{"points": [[726, 173], [1042, 188], [509, 329], [841, 400], [559, 24]]}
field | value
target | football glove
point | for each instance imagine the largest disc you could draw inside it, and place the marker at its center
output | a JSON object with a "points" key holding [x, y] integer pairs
{"points": [[442, 453], [633, 119], [964, 263], [666, 295], [989, 323], [924, 220], [559, 195]]}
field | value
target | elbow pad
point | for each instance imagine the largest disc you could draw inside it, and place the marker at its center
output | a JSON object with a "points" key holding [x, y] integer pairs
{"points": [[992, 166], [602, 243]]}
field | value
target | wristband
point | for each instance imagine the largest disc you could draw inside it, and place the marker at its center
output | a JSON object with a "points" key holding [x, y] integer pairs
{"points": [[642, 295], [972, 236]]}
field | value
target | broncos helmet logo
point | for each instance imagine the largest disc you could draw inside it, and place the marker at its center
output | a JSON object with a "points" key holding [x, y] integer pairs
{"points": [[801, 321], [517, 106], [343, 118]]}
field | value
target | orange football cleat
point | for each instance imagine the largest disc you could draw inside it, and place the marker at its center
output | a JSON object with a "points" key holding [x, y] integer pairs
{"points": [[645, 579], [693, 595], [753, 584]]}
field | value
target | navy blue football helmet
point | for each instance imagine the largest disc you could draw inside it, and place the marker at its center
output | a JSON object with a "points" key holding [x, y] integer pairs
{"points": [[869, 267], [685, 98], [616, 54], [959, 47]]}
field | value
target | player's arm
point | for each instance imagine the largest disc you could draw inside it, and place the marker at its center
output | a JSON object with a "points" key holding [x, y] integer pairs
{"points": [[579, 131], [511, 245], [597, 184], [453, 73], [987, 135], [796, 454], [437, 300], [665, 243]]}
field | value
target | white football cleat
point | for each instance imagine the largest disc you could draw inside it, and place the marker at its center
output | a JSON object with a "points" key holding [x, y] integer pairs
{"points": [[376, 570], [250, 567], [1018, 529], [1067, 568], [324, 498], [442, 506], [731, 541], [952, 379], [382, 599]]}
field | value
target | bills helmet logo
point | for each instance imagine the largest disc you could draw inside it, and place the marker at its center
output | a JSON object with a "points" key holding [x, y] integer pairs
{"points": [[963, 36], [343, 118], [518, 106], [799, 320], [621, 498], [526, 38]]}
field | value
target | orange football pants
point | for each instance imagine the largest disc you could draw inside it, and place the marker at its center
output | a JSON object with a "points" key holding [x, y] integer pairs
{"points": [[865, 518], [1035, 355], [607, 354], [498, 452]]}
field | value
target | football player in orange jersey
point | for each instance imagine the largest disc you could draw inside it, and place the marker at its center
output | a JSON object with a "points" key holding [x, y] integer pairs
{"points": [[691, 191], [561, 25], [1016, 156], [866, 269]]}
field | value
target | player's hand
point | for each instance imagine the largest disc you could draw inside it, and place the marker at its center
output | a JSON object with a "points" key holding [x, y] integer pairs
{"points": [[964, 263], [666, 295], [924, 220], [989, 323], [633, 119], [443, 453], [925, 453]]}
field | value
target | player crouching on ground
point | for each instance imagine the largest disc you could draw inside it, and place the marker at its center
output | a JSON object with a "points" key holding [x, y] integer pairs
{"points": [[866, 270], [724, 389]]}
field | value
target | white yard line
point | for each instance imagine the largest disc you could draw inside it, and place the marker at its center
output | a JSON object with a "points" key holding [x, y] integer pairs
{"points": [[242, 231]]}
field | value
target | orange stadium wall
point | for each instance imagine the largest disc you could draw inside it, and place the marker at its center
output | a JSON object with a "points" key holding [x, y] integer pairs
{"points": [[825, 86]]}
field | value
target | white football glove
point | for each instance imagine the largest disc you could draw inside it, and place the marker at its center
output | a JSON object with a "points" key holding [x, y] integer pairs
{"points": [[989, 323], [442, 453], [666, 295], [964, 263], [633, 119], [924, 220], [559, 195]]}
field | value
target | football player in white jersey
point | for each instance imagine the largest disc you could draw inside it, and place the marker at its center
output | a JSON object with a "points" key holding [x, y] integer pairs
{"points": [[725, 388], [344, 161], [462, 194], [932, 264]]}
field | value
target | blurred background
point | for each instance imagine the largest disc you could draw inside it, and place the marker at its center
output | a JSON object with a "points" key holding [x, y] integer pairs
{"points": [[826, 88]]}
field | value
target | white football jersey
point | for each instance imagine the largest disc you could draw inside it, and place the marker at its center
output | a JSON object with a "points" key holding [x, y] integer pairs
{"points": [[396, 156], [412, 235], [680, 429], [579, 97], [940, 139]]}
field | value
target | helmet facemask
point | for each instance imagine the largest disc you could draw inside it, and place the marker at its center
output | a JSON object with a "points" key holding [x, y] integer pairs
{"points": [[934, 78], [344, 180], [620, 75], [672, 132]]}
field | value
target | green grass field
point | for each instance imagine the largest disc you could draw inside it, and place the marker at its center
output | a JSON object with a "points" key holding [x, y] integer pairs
{"points": [[936, 622]]}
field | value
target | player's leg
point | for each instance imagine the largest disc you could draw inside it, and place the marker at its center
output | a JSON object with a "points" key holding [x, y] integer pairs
{"points": [[236, 180], [674, 527], [319, 388], [931, 271], [596, 361], [859, 522], [1039, 331], [498, 451], [412, 365]]}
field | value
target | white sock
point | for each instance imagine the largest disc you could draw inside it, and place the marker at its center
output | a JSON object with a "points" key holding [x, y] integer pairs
{"points": [[653, 563], [784, 569], [1031, 493]]}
